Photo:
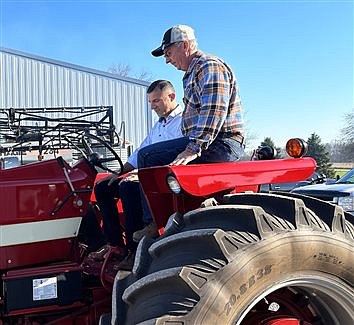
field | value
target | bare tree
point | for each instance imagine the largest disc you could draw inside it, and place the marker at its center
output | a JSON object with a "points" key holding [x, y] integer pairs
{"points": [[145, 75], [347, 133], [125, 70], [120, 69], [348, 130]]}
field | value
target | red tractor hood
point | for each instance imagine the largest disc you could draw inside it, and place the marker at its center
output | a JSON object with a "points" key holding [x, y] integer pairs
{"points": [[201, 180]]}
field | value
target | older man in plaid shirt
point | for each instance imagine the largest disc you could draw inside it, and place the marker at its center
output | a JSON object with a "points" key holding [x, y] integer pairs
{"points": [[212, 121]]}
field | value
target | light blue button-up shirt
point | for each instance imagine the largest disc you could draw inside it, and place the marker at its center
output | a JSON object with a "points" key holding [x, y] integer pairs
{"points": [[163, 129]]}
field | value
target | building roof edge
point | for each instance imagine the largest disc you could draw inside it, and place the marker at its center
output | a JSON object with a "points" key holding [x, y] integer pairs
{"points": [[74, 66]]}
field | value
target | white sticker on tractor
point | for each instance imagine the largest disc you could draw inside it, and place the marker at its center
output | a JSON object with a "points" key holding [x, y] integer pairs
{"points": [[45, 288]]}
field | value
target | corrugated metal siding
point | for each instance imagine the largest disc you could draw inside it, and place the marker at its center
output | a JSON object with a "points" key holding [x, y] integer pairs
{"points": [[31, 81]]}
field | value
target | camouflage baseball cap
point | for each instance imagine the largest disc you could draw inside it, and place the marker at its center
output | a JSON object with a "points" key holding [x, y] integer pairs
{"points": [[175, 34]]}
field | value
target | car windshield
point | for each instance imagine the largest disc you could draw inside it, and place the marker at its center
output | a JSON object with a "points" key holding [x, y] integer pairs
{"points": [[348, 178]]}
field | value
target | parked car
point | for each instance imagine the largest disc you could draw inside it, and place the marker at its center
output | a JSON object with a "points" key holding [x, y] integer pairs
{"points": [[340, 192], [315, 178]]}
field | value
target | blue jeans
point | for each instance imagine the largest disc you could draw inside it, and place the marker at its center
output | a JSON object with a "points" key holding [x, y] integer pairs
{"points": [[163, 153]]}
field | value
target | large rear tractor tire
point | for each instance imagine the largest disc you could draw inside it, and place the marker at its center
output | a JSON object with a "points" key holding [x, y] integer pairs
{"points": [[255, 259]]}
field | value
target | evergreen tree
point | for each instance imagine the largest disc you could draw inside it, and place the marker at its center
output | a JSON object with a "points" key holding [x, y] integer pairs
{"points": [[318, 151], [269, 142]]}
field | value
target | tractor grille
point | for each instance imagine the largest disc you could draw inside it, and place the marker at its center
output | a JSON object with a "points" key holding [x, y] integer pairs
{"points": [[322, 195]]}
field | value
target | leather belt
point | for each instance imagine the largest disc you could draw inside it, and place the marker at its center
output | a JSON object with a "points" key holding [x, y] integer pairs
{"points": [[237, 137]]}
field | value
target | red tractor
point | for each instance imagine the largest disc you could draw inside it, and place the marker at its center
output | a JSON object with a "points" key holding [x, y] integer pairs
{"points": [[227, 253]]}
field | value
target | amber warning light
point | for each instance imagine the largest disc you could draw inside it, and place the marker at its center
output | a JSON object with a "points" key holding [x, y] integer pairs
{"points": [[296, 147]]}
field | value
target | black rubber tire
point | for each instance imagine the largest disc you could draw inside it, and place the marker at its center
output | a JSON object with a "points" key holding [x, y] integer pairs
{"points": [[214, 264]]}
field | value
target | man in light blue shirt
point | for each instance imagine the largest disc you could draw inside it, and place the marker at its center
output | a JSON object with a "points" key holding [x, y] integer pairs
{"points": [[167, 128], [162, 98]]}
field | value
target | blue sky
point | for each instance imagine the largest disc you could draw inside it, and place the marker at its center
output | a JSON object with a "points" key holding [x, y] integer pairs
{"points": [[293, 59]]}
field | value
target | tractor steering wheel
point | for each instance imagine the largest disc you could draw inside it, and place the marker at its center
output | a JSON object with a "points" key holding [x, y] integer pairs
{"points": [[95, 159]]}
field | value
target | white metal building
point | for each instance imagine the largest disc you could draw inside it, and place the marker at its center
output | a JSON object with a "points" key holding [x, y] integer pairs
{"points": [[28, 81]]}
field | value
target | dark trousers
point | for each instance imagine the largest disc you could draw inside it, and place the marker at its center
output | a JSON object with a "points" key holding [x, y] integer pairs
{"points": [[130, 195], [106, 197], [90, 231]]}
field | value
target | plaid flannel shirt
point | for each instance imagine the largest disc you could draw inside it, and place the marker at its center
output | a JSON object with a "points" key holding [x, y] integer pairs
{"points": [[212, 101]]}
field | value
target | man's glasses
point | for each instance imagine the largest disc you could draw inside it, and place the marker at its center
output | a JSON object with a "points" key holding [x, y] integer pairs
{"points": [[168, 49]]}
